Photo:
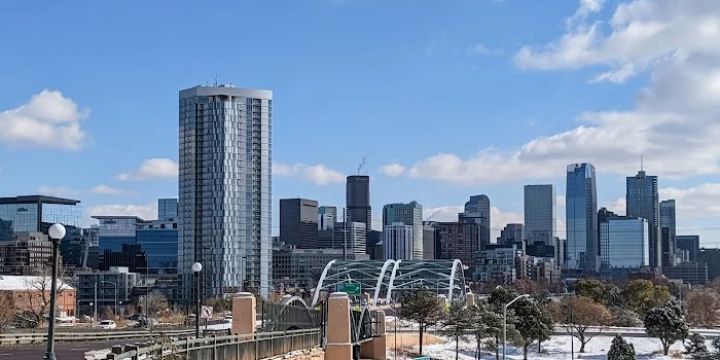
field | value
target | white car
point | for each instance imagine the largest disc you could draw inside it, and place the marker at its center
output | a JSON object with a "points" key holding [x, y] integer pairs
{"points": [[107, 324]]}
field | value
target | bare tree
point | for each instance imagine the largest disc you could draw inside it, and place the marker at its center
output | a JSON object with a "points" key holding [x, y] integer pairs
{"points": [[578, 314], [7, 310], [37, 295], [702, 308]]}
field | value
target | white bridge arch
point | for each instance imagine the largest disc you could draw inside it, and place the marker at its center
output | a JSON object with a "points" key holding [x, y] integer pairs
{"points": [[385, 279]]}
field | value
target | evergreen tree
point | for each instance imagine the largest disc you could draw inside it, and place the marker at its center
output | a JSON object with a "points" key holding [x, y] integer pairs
{"points": [[666, 323], [456, 323], [696, 348], [532, 324], [422, 307], [621, 349]]}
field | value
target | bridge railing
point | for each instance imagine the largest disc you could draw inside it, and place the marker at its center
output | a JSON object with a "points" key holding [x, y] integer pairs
{"points": [[35, 337], [238, 347]]}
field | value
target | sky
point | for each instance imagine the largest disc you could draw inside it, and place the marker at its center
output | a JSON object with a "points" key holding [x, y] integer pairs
{"points": [[443, 99]]}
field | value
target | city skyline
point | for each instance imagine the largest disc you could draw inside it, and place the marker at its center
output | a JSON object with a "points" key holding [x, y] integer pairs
{"points": [[117, 151]]}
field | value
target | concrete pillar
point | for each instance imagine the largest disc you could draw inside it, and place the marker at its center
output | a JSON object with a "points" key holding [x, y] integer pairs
{"points": [[339, 342], [366, 299], [469, 299], [244, 313]]}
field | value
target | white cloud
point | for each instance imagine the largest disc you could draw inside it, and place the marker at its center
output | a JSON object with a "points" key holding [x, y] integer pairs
{"points": [[107, 190], [48, 120], [618, 206], [673, 122], [699, 201], [478, 49], [392, 170], [152, 168], [147, 211], [640, 32], [318, 174]]}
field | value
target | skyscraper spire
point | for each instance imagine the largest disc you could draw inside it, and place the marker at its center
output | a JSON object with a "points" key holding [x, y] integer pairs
{"points": [[641, 163]]}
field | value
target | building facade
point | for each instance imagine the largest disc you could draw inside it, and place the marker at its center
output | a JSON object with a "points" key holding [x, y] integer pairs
{"points": [[104, 289], [623, 241], [408, 214], [513, 233], [642, 200], [497, 265], [399, 240], [299, 223], [357, 200], [29, 253], [690, 244], [458, 240], [29, 293], [300, 269], [35, 213], [477, 210], [225, 183], [167, 209], [327, 217], [352, 236], [428, 240], [582, 225], [668, 232], [539, 214]]}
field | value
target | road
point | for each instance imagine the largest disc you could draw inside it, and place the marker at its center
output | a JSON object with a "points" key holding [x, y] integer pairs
{"points": [[64, 351]]}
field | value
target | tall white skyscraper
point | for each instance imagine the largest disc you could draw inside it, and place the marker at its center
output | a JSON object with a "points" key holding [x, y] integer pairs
{"points": [[408, 214], [225, 189], [398, 239], [540, 214]]}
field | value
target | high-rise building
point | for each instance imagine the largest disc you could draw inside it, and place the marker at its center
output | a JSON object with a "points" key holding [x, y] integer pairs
{"points": [[458, 240], [117, 242], [225, 183], [690, 244], [408, 214], [641, 199], [539, 214], [623, 241], [477, 210], [352, 236], [299, 223], [428, 240], [582, 224], [399, 241], [668, 232], [357, 200], [327, 217], [167, 209], [35, 213], [374, 247], [512, 234], [29, 253]]}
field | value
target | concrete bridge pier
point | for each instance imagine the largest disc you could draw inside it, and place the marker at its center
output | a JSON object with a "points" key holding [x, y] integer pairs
{"points": [[339, 343], [244, 314]]}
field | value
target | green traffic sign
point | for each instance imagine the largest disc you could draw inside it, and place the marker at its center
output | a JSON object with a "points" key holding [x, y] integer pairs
{"points": [[350, 288]]}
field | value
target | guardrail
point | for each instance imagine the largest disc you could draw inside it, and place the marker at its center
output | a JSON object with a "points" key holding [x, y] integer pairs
{"points": [[34, 338], [237, 347]]}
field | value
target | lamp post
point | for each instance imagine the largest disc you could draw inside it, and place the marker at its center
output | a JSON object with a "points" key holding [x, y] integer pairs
{"points": [[196, 268], [116, 294], [505, 319], [56, 233]]}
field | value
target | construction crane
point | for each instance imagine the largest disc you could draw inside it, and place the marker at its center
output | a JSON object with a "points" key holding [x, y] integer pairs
{"points": [[361, 165]]}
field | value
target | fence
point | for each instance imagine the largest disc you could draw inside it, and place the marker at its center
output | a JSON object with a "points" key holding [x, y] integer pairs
{"points": [[36, 337], [231, 347]]}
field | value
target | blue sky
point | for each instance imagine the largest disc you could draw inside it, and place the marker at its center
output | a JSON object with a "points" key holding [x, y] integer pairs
{"points": [[445, 99]]}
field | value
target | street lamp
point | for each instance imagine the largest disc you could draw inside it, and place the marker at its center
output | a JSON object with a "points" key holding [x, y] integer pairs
{"points": [[56, 233], [196, 268], [116, 294], [505, 319]]}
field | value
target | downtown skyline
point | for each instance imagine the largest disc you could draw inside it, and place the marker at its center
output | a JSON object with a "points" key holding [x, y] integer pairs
{"points": [[117, 148]]}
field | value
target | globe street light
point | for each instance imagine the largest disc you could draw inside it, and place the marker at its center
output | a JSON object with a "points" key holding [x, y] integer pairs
{"points": [[196, 268], [56, 233], [505, 319]]}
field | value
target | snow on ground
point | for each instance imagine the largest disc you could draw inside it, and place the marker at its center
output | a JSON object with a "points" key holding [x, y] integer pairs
{"points": [[557, 348]]}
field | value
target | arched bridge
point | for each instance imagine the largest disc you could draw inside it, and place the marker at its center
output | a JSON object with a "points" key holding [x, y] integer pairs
{"points": [[384, 280]]}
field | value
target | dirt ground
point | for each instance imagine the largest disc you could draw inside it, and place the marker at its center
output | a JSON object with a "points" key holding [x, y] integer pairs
{"points": [[406, 341]]}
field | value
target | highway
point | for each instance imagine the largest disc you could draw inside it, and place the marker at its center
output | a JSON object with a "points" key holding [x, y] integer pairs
{"points": [[64, 351]]}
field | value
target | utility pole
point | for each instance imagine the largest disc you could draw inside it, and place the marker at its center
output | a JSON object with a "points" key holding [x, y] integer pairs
{"points": [[344, 235]]}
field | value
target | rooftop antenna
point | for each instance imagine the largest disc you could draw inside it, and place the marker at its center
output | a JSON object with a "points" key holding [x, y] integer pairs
{"points": [[641, 163], [216, 80]]}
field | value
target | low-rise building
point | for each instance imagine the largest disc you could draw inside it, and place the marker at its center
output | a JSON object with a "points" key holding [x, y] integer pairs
{"points": [[497, 265], [301, 268], [32, 293], [104, 289]]}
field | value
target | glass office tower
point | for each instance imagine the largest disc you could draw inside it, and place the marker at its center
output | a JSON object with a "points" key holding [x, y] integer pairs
{"points": [[582, 222], [224, 204], [539, 214], [35, 213], [642, 200]]}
